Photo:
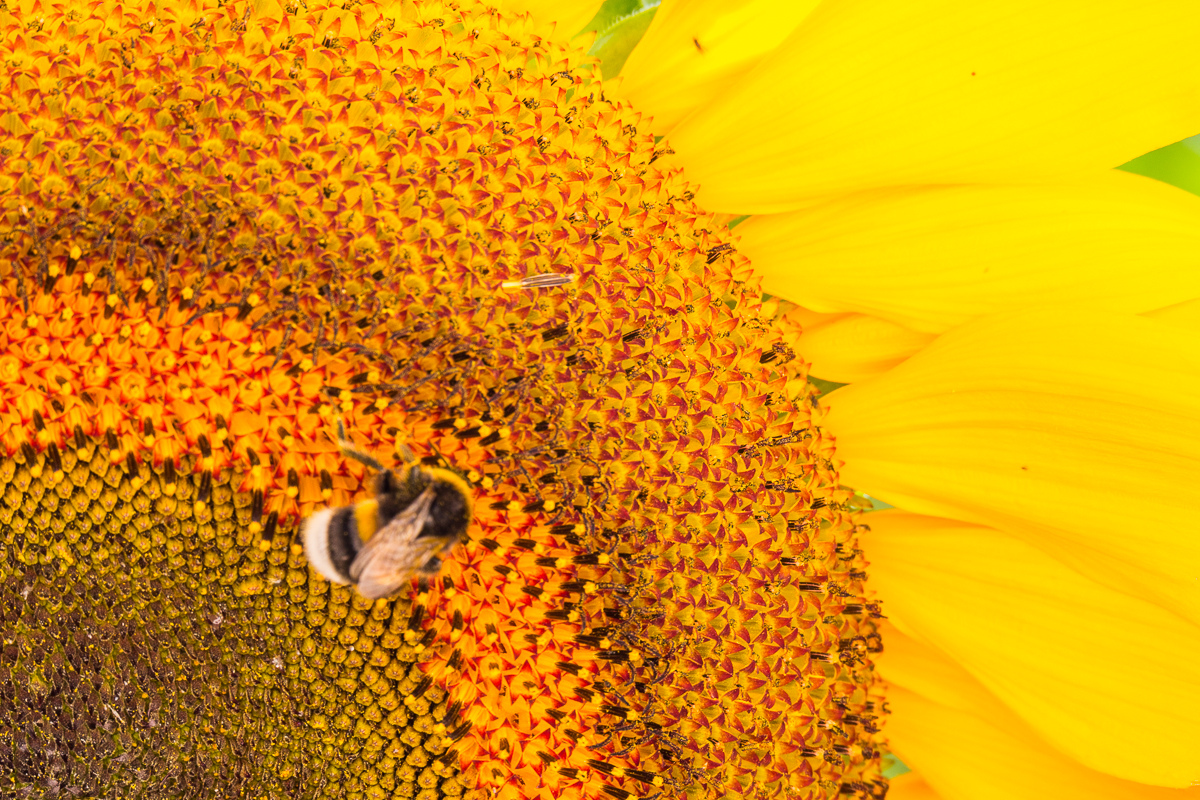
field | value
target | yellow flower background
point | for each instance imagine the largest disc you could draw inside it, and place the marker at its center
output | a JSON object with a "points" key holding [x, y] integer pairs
{"points": [[227, 225], [933, 187]]}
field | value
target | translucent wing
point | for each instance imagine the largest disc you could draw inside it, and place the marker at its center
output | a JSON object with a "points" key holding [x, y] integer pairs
{"points": [[395, 553]]}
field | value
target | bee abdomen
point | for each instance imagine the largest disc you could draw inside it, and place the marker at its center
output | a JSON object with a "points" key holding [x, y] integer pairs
{"points": [[332, 542]]}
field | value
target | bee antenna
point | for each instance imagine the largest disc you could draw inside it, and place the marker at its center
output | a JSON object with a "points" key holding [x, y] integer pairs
{"points": [[438, 453], [348, 448], [445, 461]]}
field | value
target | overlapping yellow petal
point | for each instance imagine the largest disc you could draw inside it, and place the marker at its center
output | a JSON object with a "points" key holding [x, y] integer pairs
{"points": [[875, 93], [1183, 315], [562, 18], [1039, 636], [931, 258], [968, 746], [911, 786], [852, 347], [695, 50], [1076, 430]]}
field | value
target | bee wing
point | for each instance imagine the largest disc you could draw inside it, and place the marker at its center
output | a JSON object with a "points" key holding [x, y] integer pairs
{"points": [[395, 553]]}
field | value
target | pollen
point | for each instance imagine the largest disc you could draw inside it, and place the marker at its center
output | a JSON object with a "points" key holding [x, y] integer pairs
{"points": [[429, 222]]}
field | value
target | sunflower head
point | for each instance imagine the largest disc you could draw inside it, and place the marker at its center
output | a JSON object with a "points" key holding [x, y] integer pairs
{"points": [[226, 226]]}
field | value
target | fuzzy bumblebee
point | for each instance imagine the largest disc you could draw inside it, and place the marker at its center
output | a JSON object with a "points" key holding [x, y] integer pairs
{"points": [[416, 514]]}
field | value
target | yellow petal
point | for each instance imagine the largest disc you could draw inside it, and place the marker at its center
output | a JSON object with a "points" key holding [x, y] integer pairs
{"points": [[911, 786], [1077, 431], [967, 746], [1183, 315], [698, 49], [932, 258], [1034, 632], [845, 348], [876, 93], [921, 668], [561, 18]]}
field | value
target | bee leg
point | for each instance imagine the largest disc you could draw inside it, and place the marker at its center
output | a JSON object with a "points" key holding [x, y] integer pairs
{"points": [[407, 455], [348, 448], [386, 483]]}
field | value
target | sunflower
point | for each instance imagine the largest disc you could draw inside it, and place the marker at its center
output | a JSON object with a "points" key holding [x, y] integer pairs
{"points": [[233, 231], [931, 185], [228, 226]]}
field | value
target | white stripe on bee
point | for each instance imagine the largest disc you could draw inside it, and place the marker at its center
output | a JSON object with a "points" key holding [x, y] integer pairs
{"points": [[316, 544]]}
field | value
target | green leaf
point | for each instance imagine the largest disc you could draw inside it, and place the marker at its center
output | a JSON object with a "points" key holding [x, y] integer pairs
{"points": [[877, 505], [610, 12], [893, 767], [1177, 164], [616, 41], [824, 386]]}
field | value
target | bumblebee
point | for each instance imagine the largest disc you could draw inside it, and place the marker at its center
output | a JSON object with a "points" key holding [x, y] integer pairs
{"points": [[416, 515]]}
